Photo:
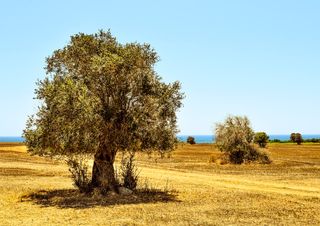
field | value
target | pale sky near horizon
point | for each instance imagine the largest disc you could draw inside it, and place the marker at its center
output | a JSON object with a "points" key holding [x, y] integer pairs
{"points": [[240, 57]]}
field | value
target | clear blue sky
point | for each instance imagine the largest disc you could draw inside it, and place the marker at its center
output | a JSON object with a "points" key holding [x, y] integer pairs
{"points": [[254, 58]]}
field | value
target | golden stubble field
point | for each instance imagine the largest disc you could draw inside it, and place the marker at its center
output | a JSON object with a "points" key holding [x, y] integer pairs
{"points": [[287, 192]]}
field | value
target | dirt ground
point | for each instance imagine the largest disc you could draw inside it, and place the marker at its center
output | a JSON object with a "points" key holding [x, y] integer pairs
{"points": [[191, 190]]}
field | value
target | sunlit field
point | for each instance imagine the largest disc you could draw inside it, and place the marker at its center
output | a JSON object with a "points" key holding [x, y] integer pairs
{"points": [[192, 190]]}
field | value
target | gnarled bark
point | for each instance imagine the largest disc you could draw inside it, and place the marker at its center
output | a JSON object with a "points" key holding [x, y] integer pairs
{"points": [[103, 175]]}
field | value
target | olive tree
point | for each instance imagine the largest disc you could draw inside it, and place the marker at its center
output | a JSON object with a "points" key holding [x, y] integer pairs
{"points": [[191, 140], [101, 97], [296, 138], [235, 137]]}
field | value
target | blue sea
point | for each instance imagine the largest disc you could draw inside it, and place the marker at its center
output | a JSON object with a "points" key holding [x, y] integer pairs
{"points": [[11, 139], [200, 139]]}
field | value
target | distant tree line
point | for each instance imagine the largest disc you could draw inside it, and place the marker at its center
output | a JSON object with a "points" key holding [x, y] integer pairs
{"points": [[296, 138], [262, 139], [312, 140]]}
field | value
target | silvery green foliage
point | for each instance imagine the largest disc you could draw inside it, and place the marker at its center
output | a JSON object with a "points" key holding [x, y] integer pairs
{"points": [[235, 134], [99, 93], [235, 137]]}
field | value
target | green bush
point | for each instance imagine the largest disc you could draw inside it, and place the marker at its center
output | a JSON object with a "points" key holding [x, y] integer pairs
{"points": [[191, 140], [261, 138], [78, 167], [129, 172], [254, 155], [296, 138]]}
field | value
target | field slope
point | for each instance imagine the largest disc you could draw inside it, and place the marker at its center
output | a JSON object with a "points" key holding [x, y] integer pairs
{"points": [[287, 192]]}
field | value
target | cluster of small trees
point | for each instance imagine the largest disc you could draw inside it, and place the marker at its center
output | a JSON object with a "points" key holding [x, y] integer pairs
{"points": [[236, 138]]}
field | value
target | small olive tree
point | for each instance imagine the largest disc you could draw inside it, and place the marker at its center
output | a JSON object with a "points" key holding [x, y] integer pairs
{"points": [[191, 140], [299, 139], [261, 138], [296, 138], [235, 137]]}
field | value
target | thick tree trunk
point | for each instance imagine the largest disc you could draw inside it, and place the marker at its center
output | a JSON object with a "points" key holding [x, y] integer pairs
{"points": [[103, 176]]}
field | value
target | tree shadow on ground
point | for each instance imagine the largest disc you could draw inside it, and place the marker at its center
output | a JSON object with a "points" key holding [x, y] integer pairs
{"points": [[72, 198]]}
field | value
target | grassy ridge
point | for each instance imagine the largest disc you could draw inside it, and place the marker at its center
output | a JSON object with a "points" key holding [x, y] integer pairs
{"points": [[284, 192]]}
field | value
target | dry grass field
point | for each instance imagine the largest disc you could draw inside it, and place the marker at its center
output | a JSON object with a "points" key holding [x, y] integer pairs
{"points": [[38, 191]]}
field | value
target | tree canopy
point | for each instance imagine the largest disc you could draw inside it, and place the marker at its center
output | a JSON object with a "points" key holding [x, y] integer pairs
{"points": [[100, 97], [234, 134]]}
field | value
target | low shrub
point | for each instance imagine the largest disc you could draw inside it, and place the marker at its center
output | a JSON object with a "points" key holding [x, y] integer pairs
{"points": [[129, 172], [264, 157], [239, 157], [78, 167], [259, 156]]}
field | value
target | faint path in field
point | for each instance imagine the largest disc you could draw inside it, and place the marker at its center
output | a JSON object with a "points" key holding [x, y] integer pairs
{"points": [[201, 179], [234, 182]]}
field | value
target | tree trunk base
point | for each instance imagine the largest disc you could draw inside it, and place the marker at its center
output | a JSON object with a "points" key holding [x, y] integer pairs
{"points": [[103, 176]]}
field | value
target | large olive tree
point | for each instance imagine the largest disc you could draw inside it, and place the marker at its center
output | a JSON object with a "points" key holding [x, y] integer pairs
{"points": [[101, 97]]}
